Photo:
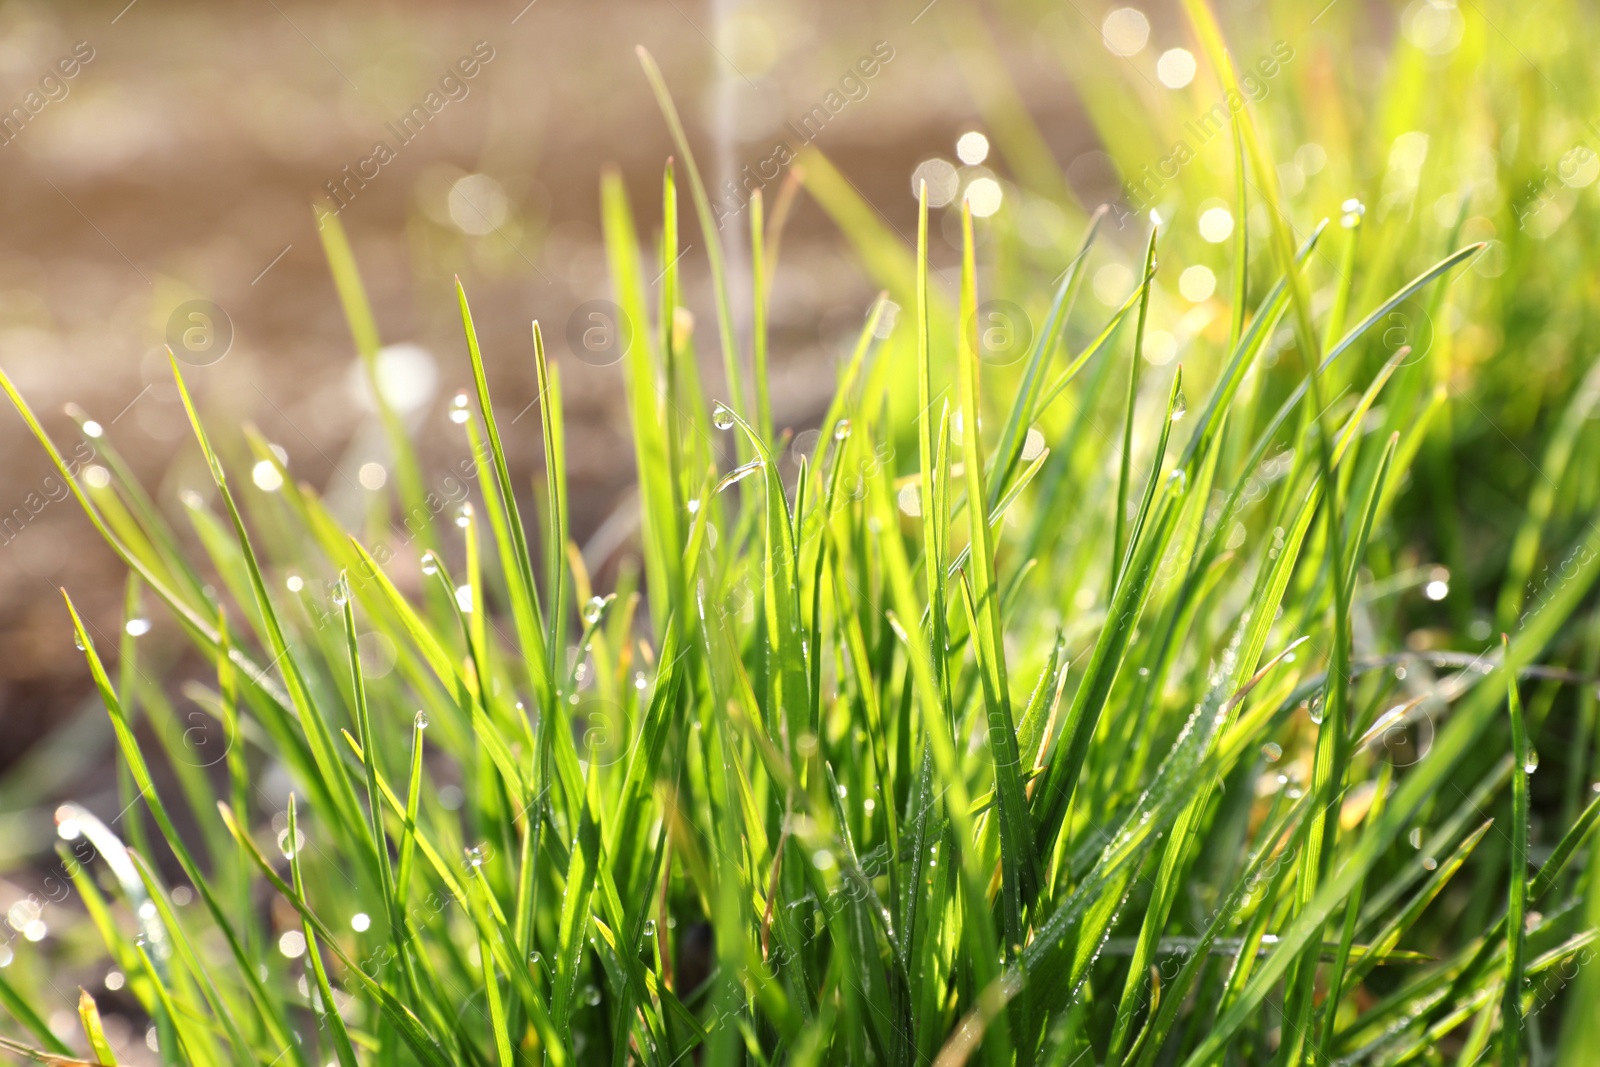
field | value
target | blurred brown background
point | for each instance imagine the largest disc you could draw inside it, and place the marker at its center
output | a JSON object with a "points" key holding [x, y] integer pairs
{"points": [[179, 160]]}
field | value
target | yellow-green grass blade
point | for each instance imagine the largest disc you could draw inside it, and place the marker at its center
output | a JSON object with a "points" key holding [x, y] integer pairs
{"points": [[1542, 499], [787, 672], [24, 1013], [152, 523], [1104, 337], [1054, 793], [332, 1020], [275, 1025], [1241, 240], [393, 904], [1020, 881], [121, 950], [1242, 351], [551, 423], [1451, 745], [882, 252], [1285, 828], [524, 593], [1120, 539], [1386, 938], [758, 315], [334, 783], [364, 332], [1523, 764], [708, 230], [479, 890], [1008, 451], [218, 997], [649, 420], [194, 622], [984, 952], [426, 1047]]}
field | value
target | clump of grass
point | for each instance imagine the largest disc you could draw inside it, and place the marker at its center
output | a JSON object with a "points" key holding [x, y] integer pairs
{"points": [[1046, 713]]}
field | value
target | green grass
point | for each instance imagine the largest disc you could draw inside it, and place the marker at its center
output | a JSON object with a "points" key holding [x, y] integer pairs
{"points": [[1077, 709]]}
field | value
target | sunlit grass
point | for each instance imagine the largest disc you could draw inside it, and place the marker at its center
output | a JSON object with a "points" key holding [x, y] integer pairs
{"points": [[1065, 703]]}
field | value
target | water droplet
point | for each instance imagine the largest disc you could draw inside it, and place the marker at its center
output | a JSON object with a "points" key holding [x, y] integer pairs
{"points": [[1415, 837], [464, 516], [1178, 482], [722, 416], [1429, 863], [1272, 751], [739, 474], [1180, 406], [464, 598], [137, 627], [594, 609], [475, 856], [649, 928], [841, 429], [535, 958], [290, 848], [340, 594], [78, 641], [430, 565], [459, 412], [1352, 210], [592, 995], [295, 583], [420, 719], [1318, 712], [1532, 763]]}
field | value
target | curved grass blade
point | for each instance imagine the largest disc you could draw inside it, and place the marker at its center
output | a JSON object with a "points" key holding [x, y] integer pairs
{"points": [[1451, 745], [334, 783], [266, 1009], [427, 1048]]}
